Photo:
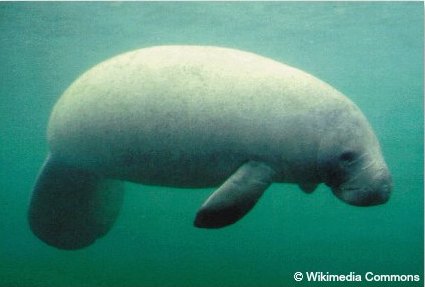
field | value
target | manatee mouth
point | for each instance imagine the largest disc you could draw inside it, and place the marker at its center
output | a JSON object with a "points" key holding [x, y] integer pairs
{"points": [[366, 188], [363, 196], [376, 193]]}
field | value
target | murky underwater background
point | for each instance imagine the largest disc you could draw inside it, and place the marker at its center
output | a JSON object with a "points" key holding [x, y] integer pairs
{"points": [[372, 52]]}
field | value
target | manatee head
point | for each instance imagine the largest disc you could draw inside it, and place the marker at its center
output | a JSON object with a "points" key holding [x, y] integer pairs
{"points": [[350, 160]]}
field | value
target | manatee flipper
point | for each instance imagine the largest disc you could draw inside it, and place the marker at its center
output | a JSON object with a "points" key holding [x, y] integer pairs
{"points": [[236, 196], [71, 208]]}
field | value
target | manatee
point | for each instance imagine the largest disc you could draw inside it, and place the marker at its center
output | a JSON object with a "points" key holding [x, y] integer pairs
{"points": [[197, 117]]}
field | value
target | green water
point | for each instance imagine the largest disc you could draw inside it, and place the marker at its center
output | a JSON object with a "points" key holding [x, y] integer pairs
{"points": [[373, 52]]}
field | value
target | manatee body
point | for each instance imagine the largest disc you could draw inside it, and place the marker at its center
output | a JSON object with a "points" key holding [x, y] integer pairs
{"points": [[195, 117]]}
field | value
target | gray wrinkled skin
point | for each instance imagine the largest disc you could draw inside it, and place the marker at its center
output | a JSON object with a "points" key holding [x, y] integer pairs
{"points": [[190, 116]]}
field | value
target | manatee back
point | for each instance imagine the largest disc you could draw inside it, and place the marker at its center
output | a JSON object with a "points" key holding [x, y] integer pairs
{"points": [[169, 99]]}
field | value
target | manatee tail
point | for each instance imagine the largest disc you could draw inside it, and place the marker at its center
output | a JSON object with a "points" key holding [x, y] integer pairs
{"points": [[71, 208]]}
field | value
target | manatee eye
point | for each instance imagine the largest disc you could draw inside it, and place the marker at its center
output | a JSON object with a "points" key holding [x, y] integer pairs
{"points": [[347, 156]]}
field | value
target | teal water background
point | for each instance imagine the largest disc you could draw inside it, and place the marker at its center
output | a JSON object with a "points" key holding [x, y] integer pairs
{"points": [[372, 52]]}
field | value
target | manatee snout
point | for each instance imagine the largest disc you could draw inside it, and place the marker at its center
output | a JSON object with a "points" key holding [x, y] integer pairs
{"points": [[370, 191]]}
